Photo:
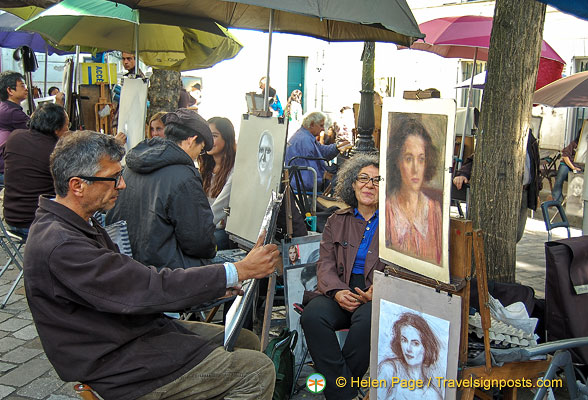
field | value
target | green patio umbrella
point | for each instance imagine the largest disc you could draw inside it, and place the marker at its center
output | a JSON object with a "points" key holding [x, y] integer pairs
{"points": [[163, 41]]}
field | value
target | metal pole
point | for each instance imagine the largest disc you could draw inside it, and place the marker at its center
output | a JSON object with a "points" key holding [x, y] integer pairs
{"points": [[269, 54], [46, 66], [365, 121], [467, 118], [76, 68], [136, 50]]}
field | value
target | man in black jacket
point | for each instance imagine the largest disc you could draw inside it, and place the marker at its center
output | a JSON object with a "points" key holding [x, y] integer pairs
{"points": [[167, 212], [99, 312]]}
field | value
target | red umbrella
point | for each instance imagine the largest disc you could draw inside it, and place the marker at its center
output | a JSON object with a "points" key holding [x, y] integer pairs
{"points": [[468, 37]]}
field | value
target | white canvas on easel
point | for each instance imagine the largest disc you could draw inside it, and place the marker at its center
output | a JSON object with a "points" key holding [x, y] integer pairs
{"points": [[132, 110], [258, 171], [401, 234]]}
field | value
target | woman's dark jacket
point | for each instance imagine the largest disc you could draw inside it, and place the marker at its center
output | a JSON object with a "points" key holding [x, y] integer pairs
{"points": [[341, 239]]}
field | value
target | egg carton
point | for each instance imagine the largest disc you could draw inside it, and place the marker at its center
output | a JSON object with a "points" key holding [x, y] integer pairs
{"points": [[501, 333]]}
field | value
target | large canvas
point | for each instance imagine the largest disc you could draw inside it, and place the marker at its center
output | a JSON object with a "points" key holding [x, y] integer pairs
{"points": [[258, 170], [300, 257], [415, 336], [132, 110], [415, 161]]}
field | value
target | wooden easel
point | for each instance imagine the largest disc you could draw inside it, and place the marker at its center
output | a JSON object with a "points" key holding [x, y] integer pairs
{"points": [[103, 124], [509, 371], [462, 241]]}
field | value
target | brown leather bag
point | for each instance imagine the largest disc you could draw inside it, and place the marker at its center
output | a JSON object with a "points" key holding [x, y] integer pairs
{"points": [[421, 94]]}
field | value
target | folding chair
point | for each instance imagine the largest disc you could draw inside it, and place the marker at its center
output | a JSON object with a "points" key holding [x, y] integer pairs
{"points": [[11, 244], [549, 224]]}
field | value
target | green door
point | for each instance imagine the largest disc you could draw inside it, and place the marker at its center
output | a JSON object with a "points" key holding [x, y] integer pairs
{"points": [[296, 69]]}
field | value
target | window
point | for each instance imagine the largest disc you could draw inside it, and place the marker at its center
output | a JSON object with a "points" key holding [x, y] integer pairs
{"points": [[466, 73]]}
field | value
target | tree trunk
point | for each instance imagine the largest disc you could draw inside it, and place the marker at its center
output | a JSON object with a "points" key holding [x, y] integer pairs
{"points": [[497, 176], [164, 91]]}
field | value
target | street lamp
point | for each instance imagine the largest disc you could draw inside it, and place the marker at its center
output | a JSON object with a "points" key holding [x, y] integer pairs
{"points": [[366, 120]]}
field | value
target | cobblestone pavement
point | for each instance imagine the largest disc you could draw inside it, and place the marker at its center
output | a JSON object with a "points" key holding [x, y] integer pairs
{"points": [[25, 372]]}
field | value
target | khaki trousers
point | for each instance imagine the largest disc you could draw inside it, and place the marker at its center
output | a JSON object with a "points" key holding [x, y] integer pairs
{"points": [[245, 373]]}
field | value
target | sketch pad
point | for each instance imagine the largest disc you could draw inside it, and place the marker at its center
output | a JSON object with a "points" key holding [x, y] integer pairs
{"points": [[442, 312]]}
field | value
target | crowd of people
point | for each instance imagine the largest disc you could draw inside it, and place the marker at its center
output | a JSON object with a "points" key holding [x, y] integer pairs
{"points": [[100, 314]]}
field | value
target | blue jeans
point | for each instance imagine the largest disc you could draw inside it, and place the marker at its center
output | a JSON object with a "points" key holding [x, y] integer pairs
{"points": [[562, 175], [22, 232]]}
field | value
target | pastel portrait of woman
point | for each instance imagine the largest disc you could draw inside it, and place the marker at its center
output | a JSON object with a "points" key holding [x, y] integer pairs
{"points": [[413, 217], [416, 349]]}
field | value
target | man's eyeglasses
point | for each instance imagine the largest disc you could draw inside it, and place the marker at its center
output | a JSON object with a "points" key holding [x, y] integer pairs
{"points": [[116, 179], [366, 178]]}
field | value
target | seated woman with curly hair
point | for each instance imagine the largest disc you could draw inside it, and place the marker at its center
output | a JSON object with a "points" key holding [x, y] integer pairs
{"points": [[348, 258]]}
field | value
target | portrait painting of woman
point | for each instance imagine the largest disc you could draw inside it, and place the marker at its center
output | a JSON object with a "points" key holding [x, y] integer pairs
{"points": [[414, 352], [413, 218], [416, 156]]}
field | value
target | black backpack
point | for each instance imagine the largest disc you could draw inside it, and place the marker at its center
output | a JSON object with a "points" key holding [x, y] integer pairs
{"points": [[281, 351]]}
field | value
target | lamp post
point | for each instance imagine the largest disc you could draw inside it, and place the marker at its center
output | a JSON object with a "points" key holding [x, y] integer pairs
{"points": [[365, 121]]}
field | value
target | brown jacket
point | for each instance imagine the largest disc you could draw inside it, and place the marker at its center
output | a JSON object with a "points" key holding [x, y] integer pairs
{"points": [[98, 312], [341, 239]]}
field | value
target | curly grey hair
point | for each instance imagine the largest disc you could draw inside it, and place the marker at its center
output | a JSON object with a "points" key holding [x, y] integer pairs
{"points": [[79, 153], [348, 173], [315, 117]]}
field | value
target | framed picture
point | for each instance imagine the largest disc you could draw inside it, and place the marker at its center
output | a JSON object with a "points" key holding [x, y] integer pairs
{"points": [[574, 202], [301, 250], [297, 279], [415, 335], [258, 170], [300, 256], [415, 161]]}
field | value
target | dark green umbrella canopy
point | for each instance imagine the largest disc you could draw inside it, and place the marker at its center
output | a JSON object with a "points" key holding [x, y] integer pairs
{"points": [[341, 20]]}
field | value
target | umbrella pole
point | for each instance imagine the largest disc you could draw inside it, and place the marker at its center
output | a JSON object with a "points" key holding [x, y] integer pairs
{"points": [[269, 54], [136, 50], [46, 66], [467, 118]]}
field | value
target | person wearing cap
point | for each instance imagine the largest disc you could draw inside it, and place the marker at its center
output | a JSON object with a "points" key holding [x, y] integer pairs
{"points": [[168, 216]]}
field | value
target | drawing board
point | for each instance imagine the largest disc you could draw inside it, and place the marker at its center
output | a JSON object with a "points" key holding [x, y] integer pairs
{"points": [[415, 161], [258, 170], [132, 110], [414, 328]]}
